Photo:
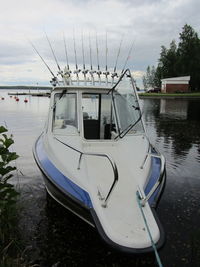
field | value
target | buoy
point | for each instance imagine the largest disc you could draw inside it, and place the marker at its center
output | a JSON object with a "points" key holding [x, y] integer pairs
{"points": [[25, 100], [2, 98], [17, 99], [10, 96]]}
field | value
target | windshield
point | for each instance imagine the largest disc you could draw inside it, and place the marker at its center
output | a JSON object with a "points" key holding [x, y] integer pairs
{"points": [[126, 106]]}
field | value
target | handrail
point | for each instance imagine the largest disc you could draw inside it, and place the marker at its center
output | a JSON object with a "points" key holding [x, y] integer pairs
{"points": [[153, 189], [113, 164]]}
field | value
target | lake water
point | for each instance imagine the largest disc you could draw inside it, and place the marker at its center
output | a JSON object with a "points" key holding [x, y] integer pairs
{"points": [[55, 237]]}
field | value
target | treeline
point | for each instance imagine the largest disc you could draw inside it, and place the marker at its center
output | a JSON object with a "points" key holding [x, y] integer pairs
{"points": [[177, 60], [25, 87]]}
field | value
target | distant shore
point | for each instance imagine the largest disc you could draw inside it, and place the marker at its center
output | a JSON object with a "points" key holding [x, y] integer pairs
{"points": [[25, 87]]}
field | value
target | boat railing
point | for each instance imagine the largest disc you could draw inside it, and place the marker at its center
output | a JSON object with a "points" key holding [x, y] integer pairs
{"points": [[145, 199], [113, 164]]}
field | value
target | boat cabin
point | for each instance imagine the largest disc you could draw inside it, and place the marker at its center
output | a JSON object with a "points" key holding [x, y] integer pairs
{"points": [[97, 113]]}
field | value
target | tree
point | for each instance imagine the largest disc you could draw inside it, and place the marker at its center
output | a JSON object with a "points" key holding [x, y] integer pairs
{"points": [[144, 81], [183, 60], [167, 63], [149, 79], [188, 56]]}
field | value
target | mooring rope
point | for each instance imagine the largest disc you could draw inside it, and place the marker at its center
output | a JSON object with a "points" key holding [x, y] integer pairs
{"points": [[148, 230]]}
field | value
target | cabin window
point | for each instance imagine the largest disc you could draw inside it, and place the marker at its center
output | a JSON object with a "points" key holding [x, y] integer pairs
{"points": [[97, 116], [65, 113]]}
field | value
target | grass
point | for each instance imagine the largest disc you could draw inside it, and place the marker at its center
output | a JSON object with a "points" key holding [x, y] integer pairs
{"points": [[184, 95], [11, 248]]}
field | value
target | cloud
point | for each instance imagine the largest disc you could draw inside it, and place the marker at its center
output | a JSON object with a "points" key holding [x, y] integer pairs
{"points": [[149, 23]]}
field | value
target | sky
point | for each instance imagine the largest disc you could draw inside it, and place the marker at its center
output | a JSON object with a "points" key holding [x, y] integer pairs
{"points": [[147, 24]]}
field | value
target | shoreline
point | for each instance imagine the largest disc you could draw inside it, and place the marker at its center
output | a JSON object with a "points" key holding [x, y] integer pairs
{"points": [[169, 96]]}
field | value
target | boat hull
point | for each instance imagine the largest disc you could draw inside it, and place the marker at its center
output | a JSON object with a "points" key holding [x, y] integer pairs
{"points": [[87, 212], [89, 215]]}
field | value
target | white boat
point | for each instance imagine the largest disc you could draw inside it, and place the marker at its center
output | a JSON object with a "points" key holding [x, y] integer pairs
{"points": [[98, 162]]}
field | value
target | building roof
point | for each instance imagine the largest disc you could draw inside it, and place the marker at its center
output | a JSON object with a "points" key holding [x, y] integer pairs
{"points": [[183, 78]]}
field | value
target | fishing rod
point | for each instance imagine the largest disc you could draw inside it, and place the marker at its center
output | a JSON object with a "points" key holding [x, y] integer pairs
{"points": [[66, 54], [67, 71], [114, 71], [59, 69], [83, 54], [76, 65], [98, 67], [106, 73], [128, 57], [54, 79], [91, 68]]}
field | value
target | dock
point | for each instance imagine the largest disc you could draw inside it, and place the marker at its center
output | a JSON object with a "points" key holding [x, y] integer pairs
{"points": [[47, 94]]}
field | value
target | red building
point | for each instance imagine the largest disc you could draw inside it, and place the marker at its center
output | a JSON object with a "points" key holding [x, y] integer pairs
{"points": [[176, 84]]}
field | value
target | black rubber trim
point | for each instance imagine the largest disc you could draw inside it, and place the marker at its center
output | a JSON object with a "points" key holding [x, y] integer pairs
{"points": [[124, 249]]}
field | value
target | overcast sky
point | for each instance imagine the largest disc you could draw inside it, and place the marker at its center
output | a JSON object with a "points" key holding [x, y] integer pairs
{"points": [[147, 23]]}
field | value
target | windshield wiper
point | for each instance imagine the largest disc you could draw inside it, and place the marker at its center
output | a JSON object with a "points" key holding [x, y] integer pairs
{"points": [[125, 131], [136, 108], [127, 128]]}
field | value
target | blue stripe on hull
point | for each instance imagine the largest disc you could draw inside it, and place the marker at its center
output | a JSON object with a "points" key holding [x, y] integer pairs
{"points": [[58, 178], [154, 176]]}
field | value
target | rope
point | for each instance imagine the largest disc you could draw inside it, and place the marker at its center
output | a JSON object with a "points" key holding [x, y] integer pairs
{"points": [[148, 230]]}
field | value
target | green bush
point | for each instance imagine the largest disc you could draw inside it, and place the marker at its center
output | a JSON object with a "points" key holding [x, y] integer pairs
{"points": [[8, 197], [8, 193]]}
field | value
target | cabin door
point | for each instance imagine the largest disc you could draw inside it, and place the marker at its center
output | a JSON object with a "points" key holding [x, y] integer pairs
{"points": [[98, 118]]}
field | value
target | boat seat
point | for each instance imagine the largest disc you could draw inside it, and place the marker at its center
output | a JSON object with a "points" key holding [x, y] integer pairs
{"points": [[108, 130], [91, 129]]}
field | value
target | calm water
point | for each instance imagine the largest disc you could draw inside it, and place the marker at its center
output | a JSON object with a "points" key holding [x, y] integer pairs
{"points": [[55, 237]]}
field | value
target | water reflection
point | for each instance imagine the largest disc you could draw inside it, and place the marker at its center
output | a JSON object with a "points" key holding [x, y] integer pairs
{"points": [[174, 109], [174, 126]]}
